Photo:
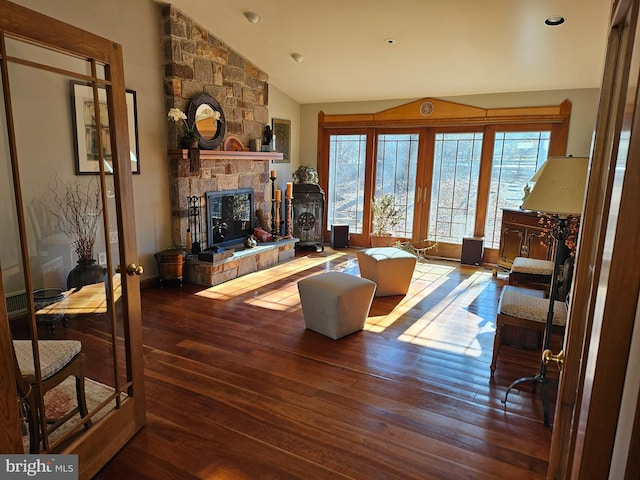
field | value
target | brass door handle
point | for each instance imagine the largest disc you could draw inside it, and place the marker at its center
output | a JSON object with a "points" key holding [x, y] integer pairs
{"points": [[548, 357], [132, 269]]}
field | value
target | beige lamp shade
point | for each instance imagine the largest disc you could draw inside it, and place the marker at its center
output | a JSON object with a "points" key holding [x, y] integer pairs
{"points": [[559, 186], [536, 175]]}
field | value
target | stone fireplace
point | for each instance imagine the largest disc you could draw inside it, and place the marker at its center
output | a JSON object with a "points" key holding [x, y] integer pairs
{"points": [[219, 171], [196, 62]]}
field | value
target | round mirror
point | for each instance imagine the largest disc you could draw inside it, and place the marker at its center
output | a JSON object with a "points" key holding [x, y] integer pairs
{"points": [[206, 115]]}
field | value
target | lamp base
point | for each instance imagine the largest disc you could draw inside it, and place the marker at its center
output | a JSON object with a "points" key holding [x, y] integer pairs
{"points": [[539, 378]]}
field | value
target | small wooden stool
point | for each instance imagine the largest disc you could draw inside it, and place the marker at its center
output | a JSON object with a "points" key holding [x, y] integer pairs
{"points": [[525, 308]]}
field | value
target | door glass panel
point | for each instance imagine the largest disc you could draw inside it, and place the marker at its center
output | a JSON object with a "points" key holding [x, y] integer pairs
{"points": [[454, 191], [396, 165], [68, 285], [34, 53], [345, 199], [516, 157]]}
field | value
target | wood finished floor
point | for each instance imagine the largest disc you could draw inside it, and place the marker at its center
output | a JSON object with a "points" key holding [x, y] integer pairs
{"points": [[236, 388]]}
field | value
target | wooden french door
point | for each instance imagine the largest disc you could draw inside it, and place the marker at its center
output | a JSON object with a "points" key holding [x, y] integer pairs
{"points": [[596, 427], [64, 128]]}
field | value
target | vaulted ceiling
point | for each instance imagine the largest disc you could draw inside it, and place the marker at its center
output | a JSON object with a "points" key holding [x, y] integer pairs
{"points": [[379, 49]]}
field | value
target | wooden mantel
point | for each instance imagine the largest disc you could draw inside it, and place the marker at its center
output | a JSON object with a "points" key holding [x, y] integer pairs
{"points": [[225, 154]]}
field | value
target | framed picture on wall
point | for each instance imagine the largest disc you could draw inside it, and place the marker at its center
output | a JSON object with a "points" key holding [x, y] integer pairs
{"points": [[282, 132], [86, 138]]}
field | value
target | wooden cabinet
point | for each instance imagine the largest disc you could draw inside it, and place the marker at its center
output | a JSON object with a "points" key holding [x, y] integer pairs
{"points": [[522, 236]]}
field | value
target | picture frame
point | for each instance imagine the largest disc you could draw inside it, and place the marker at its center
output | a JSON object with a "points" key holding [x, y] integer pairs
{"points": [[84, 126], [282, 132]]}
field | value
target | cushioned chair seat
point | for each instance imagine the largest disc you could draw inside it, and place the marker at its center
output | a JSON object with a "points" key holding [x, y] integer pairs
{"points": [[335, 304], [54, 355], [531, 272], [390, 268], [532, 265], [525, 308]]}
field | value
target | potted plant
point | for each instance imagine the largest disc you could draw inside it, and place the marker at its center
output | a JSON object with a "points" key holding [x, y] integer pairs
{"points": [[191, 138], [386, 216], [78, 209]]}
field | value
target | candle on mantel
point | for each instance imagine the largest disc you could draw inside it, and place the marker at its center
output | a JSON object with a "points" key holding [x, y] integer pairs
{"points": [[289, 190], [272, 174], [278, 195]]}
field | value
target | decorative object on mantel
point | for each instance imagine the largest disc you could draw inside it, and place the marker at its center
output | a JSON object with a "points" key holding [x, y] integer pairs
{"points": [[305, 174], [233, 144], [207, 118], [267, 138], [79, 211], [190, 139]]}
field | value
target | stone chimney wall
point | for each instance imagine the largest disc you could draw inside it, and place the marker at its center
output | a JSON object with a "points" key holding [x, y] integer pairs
{"points": [[197, 62]]}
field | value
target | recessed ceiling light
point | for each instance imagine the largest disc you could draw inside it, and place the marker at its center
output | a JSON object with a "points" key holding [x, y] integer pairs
{"points": [[253, 17], [297, 57], [554, 21], [390, 41]]}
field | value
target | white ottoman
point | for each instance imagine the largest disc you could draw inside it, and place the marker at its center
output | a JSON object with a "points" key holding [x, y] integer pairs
{"points": [[390, 268], [335, 304]]}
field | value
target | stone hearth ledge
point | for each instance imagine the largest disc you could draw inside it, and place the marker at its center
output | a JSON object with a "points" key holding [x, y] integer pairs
{"points": [[241, 263]]}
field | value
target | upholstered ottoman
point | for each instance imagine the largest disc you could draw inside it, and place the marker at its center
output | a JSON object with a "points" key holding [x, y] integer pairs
{"points": [[531, 272], [390, 268], [335, 304]]}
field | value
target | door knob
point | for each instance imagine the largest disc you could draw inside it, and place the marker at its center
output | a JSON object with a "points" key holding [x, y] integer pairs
{"points": [[548, 357], [132, 269]]}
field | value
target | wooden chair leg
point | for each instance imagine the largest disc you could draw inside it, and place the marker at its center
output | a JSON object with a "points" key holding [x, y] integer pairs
{"points": [[497, 342], [82, 400]]}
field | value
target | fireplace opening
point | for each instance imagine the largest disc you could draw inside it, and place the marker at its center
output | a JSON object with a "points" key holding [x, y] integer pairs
{"points": [[229, 217]]}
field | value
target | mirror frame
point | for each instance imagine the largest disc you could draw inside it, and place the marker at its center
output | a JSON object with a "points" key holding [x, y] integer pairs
{"points": [[206, 99]]}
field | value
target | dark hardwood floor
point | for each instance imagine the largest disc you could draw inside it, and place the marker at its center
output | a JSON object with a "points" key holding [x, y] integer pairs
{"points": [[236, 388]]}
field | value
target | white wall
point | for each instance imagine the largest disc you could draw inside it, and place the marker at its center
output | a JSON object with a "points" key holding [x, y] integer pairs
{"points": [[284, 107], [583, 114]]}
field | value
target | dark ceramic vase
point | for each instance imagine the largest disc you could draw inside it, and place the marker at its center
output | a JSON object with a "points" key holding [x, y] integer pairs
{"points": [[86, 272], [190, 142]]}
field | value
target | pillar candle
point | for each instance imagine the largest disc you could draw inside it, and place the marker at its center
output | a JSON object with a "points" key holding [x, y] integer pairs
{"points": [[273, 174], [289, 189], [278, 195]]}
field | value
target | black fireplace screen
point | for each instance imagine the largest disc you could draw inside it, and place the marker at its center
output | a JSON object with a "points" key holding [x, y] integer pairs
{"points": [[229, 216]]}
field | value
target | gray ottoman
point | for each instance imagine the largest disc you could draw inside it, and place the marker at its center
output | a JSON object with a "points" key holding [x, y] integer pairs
{"points": [[335, 304], [390, 268]]}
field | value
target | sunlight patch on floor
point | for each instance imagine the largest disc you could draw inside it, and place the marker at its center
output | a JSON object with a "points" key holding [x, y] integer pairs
{"points": [[246, 284], [449, 325], [379, 323]]}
